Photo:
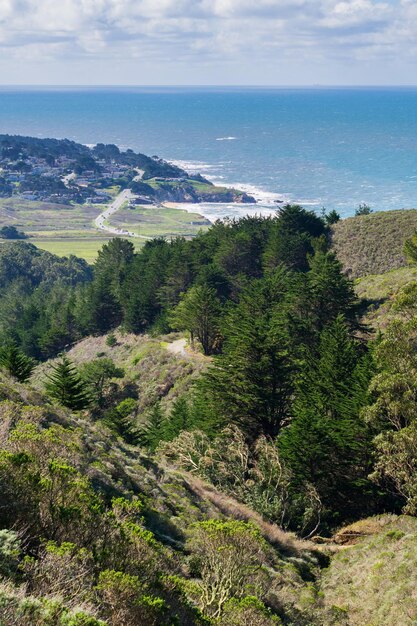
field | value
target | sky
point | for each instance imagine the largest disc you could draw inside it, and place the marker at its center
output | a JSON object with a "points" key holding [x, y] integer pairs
{"points": [[208, 42]]}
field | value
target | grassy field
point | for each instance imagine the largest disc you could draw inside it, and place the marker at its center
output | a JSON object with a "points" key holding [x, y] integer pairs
{"points": [[159, 221], [85, 248], [65, 230]]}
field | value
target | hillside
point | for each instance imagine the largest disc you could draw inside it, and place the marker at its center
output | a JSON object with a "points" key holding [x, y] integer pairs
{"points": [[162, 513], [203, 438], [373, 244], [373, 582], [152, 372], [175, 517]]}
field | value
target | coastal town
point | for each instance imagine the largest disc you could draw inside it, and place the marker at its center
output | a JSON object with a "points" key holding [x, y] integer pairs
{"points": [[65, 172]]}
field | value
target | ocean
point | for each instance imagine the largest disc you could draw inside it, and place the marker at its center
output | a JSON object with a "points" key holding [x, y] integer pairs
{"points": [[320, 147]]}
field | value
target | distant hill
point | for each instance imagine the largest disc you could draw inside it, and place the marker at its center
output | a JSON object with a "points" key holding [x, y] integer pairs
{"points": [[373, 244]]}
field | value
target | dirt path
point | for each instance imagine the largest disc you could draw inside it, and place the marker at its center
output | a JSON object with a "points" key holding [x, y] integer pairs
{"points": [[178, 347]]}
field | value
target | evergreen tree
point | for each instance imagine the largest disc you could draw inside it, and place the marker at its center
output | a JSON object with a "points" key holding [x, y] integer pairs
{"points": [[327, 443], [97, 375], [291, 237], [199, 313], [330, 291], [152, 431], [65, 385], [178, 420], [122, 420], [142, 287], [16, 363], [250, 383]]}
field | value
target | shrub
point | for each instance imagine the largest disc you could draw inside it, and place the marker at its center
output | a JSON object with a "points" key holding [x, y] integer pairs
{"points": [[126, 601], [111, 340], [227, 558], [247, 611]]}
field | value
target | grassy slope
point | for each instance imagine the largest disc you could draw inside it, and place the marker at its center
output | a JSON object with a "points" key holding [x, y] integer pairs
{"points": [[373, 244], [173, 500], [151, 370], [370, 579], [370, 249], [373, 583]]}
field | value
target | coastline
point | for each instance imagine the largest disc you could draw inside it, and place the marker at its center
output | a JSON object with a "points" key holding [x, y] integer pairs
{"points": [[267, 202]]}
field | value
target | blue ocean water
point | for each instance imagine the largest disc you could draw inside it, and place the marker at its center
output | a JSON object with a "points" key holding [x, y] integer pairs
{"points": [[319, 147]]}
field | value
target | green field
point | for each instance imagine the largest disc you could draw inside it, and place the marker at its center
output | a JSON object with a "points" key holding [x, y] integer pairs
{"points": [[149, 221], [65, 230], [85, 248]]}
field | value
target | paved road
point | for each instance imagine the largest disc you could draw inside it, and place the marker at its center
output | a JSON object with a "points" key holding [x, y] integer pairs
{"points": [[117, 203]]}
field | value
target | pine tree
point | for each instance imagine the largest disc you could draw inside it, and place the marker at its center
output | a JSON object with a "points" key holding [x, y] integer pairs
{"points": [[65, 385], [16, 363]]}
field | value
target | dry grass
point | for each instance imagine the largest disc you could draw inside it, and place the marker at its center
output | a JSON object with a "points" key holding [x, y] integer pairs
{"points": [[378, 292], [373, 583], [373, 244], [285, 541]]}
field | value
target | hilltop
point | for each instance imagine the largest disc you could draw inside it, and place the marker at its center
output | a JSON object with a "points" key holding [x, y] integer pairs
{"points": [[373, 244]]}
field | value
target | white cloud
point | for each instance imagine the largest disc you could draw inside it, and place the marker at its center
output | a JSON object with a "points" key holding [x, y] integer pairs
{"points": [[236, 31]]}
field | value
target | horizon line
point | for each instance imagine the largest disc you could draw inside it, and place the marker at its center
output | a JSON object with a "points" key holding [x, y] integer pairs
{"points": [[204, 86]]}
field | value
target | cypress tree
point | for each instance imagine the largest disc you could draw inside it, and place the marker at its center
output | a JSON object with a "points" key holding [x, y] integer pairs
{"points": [[65, 385], [178, 420], [331, 292], [250, 383], [327, 442], [199, 313], [16, 363]]}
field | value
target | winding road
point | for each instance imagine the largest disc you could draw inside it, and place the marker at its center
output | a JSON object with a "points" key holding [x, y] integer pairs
{"points": [[118, 202]]}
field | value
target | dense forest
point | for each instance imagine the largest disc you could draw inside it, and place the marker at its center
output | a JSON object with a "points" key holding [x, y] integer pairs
{"points": [[299, 414]]}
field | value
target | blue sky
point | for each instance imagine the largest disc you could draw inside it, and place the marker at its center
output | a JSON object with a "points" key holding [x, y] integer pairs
{"points": [[218, 42]]}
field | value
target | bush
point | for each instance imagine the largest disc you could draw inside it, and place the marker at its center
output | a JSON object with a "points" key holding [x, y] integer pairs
{"points": [[126, 601], [111, 340], [227, 558], [248, 611]]}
